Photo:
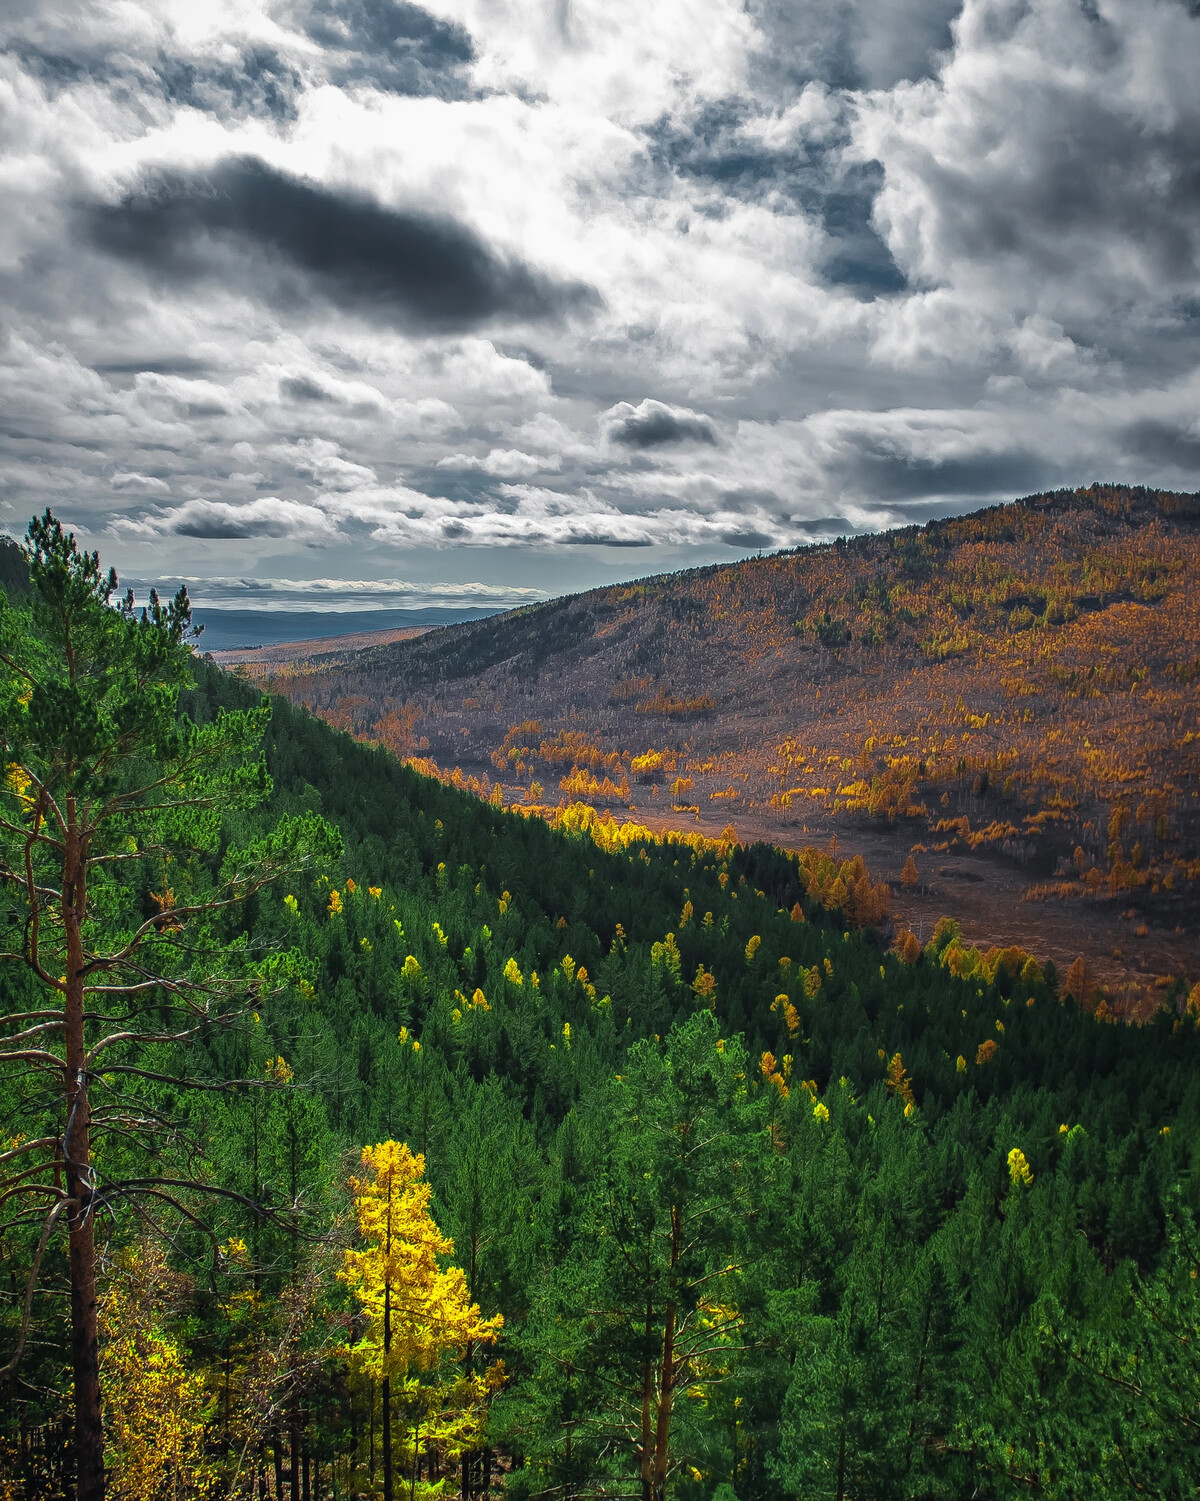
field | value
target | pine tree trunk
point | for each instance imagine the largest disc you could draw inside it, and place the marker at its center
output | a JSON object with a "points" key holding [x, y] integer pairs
{"points": [[81, 1246], [647, 1458], [387, 1350], [387, 1398], [666, 1401], [294, 1447], [668, 1373]]}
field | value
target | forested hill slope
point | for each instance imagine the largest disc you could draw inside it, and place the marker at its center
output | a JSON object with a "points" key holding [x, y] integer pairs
{"points": [[1015, 693], [843, 1222], [942, 1176]]}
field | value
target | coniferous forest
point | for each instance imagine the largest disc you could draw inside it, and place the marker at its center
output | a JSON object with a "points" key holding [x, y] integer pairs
{"points": [[361, 1139]]}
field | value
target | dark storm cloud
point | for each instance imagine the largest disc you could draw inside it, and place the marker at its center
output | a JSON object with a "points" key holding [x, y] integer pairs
{"points": [[857, 257], [653, 424], [413, 267], [223, 529], [809, 173], [1097, 172], [175, 364], [303, 388], [748, 538], [392, 45], [886, 472], [604, 539], [747, 497], [1164, 443]]}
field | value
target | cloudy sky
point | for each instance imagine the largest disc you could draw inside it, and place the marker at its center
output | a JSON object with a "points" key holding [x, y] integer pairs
{"points": [[464, 301]]}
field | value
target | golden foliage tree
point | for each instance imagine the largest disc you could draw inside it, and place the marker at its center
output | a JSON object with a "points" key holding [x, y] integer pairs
{"points": [[897, 1081], [908, 946], [1077, 983], [416, 1309], [680, 788], [1019, 1170], [155, 1404]]}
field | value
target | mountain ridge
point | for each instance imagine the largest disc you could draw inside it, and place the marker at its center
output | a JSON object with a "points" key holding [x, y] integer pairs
{"points": [[1018, 689]]}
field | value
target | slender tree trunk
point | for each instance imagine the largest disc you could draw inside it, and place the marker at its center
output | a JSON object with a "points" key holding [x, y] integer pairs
{"points": [[841, 1459], [666, 1384], [387, 1428], [295, 1433], [294, 1443], [467, 1488], [647, 1466], [63, 1463], [919, 1391], [387, 1350], [666, 1402], [81, 1245]]}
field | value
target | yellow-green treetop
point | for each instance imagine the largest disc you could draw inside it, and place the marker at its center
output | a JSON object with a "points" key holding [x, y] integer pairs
{"points": [[398, 1272]]}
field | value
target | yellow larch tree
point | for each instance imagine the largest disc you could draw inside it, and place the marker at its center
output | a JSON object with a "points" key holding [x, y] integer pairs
{"points": [[155, 1407], [1078, 983], [416, 1308], [897, 1080]]}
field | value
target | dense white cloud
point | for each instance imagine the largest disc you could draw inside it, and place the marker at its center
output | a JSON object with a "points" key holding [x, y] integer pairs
{"points": [[218, 520], [503, 463], [348, 281]]}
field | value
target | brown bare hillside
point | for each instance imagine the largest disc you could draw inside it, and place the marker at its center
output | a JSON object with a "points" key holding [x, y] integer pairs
{"points": [[284, 653], [1012, 697]]}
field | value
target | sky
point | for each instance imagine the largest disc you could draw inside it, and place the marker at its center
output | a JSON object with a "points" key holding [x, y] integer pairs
{"points": [[358, 304]]}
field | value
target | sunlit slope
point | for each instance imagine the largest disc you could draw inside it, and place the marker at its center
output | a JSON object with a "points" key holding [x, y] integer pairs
{"points": [[1025, 680]]}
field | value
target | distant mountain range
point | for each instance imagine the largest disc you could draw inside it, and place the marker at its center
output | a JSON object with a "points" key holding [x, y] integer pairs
{"points": [[226, 629], [246, 629]]}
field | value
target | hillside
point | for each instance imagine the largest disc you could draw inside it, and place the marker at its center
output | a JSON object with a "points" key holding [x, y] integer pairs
{"points": [[733, 1193], [1013, 697]]}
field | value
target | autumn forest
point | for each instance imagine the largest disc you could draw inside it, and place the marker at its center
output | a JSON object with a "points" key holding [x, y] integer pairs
{"points": [[1011, 699], [727, 1037]]}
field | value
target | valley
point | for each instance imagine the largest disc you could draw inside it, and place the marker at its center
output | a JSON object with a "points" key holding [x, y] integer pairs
{"points": [[1012, 698]]}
